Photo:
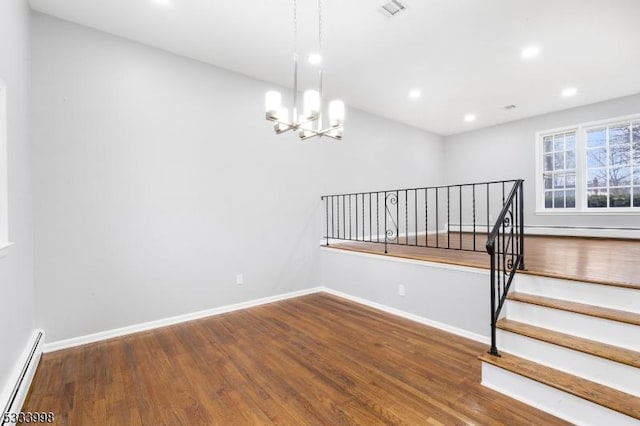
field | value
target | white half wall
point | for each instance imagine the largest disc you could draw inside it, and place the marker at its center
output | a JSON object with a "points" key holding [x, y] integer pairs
{"points": [[507, 151], [455, 297], [157, 180], [16, 262]]}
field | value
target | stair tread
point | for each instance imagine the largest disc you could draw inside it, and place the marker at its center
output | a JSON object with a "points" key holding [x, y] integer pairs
{"points": [[594, 392], [591, 347], [579, 308]]}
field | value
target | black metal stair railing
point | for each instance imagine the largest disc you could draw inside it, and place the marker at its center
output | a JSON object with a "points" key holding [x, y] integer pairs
{"points": [[505, 246], [456, 217], [474, 217]]}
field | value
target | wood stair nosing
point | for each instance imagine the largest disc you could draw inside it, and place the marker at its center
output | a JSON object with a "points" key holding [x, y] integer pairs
{"points": [[591, 347], [596, 393], [578, 308]]}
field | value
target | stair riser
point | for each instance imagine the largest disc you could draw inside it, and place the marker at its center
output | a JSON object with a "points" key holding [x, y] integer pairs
{"points": [[593, 328], [607, 296], [609, 373], [561, 404]]}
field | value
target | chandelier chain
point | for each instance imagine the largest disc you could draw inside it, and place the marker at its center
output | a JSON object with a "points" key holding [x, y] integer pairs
{"points": [[319, 124], [320, 26]]}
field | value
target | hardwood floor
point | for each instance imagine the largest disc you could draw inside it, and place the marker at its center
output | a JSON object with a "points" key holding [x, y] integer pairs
{"points": [[597, 260], [316, 359]]}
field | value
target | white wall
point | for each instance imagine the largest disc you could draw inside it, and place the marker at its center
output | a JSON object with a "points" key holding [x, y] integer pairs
{"points": [[16, 277], [157, 180], [454, 296], [507, 151]]}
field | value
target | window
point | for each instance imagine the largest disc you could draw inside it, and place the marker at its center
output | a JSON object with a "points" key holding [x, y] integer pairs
{"points": [[592, 167], [560, 170], [4, 237]]}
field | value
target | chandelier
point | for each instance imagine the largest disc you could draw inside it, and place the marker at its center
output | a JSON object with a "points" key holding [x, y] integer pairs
{"points": [[308, 121]]}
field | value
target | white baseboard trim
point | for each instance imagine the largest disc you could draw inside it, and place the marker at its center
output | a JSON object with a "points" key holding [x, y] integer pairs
{"points": [[563, 231], [17, 386], [123, 331], [584, 232], [407, 315], [118, 332]]}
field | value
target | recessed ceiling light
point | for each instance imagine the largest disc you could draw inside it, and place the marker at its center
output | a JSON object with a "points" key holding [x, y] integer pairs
{"points": [[315, 58], [469, 118], [569, 91], [415, 93], [162, 2], [530, 52]]}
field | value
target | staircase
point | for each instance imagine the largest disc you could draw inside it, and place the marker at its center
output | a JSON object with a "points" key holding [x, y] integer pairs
{"points": [[571, 349]]}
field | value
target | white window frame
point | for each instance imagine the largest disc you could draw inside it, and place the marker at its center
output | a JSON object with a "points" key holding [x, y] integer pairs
{"points": [[4, 208], [581, 170]]}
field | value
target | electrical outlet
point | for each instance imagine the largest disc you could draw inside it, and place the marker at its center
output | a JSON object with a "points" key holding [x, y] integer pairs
{"points": [[239, 279], [400, 289]]}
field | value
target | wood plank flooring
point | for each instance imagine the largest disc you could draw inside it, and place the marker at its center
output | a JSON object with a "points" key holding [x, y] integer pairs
{"points": [[597, 260], [316, 359]]}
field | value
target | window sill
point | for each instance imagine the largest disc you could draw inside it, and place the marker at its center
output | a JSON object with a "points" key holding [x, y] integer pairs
{"points": [[4, 248], [616, 212]]}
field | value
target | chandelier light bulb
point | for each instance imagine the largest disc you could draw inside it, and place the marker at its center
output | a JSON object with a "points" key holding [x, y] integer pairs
{"points": [[311, 104]]}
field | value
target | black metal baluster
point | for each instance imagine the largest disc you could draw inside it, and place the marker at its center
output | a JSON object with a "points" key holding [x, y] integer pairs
{"points": [[426, 218], [448, 218], [350, 215], [356, 217], [385, 221], [415, 212], [406, 218], [397, 217], [460, 206], [503, 252], [514, 225], [474, 215], [488, 211], [333, 223], [377, 216], [326, 204], [363, 239], [500, 268], [344, 217], [437, 224], [370, 221], [338, 215], [494, 348]]}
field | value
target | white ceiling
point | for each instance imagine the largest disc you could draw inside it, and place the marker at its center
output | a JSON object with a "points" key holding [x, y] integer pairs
{"points": [[463, 54]]}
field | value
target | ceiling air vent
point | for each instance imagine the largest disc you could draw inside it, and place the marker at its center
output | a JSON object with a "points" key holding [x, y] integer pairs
{"points": [[393, 7]]}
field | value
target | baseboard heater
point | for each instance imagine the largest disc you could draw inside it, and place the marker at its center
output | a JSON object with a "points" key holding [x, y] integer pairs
{"points": [[16, 388]]}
